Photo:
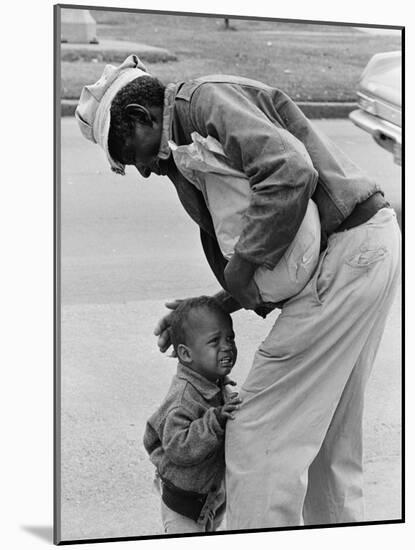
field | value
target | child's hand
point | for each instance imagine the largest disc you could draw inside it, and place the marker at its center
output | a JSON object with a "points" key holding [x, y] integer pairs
{"points": [[226, 412], [228, 381]]}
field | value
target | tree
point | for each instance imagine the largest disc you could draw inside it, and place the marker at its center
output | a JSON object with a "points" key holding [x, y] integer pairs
{"points": [[228, 26]]}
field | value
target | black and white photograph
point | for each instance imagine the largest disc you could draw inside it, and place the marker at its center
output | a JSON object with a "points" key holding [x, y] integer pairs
{"points": [[228, 273]]}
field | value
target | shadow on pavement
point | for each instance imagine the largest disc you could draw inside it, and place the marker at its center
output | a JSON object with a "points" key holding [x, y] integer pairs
{"points": [[44, 532]]}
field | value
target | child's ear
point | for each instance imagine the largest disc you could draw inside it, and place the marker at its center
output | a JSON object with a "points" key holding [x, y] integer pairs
{"points": [[139, 114], [184, 354]]}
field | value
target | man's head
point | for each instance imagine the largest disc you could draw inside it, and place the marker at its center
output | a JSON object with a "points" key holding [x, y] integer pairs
{"points": [[123, 113], [136, 124], [203, 338]]}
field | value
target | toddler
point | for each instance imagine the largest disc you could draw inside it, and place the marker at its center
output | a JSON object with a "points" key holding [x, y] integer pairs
{"points": [[185, 436]]}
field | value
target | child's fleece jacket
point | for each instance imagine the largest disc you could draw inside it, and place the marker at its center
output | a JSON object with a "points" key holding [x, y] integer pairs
{"points": [[184, 437]]}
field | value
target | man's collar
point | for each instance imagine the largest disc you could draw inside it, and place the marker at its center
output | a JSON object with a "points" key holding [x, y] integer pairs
{"points": [[169, 95], [204, 386]]}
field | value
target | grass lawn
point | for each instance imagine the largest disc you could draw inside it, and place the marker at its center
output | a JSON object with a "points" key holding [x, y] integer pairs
{"points": [[309, 62]]}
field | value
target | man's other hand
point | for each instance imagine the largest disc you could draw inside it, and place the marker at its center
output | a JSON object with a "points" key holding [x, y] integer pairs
{"points": [[239, 279]]}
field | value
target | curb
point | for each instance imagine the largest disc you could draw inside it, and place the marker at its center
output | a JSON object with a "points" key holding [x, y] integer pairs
{"points": [[330, 109], [111, 51], [311, 109]]}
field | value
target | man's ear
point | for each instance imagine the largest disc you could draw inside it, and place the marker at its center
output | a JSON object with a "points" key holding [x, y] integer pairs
{"points": [[184, 354], [139, 114]]}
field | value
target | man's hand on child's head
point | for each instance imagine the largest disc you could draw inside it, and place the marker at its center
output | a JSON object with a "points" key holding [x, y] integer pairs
{"points": [[162, 329], [226, 412]]}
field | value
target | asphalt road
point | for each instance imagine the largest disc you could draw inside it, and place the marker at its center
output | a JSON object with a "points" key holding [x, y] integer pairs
{"points": [[126, 247]]}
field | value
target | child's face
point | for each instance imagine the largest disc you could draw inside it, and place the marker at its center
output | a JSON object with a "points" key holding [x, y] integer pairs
{"points": [[211, 344]]}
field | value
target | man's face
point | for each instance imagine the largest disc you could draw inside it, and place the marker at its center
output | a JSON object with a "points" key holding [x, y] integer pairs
{"points": [[141, 149], [211, 343]]}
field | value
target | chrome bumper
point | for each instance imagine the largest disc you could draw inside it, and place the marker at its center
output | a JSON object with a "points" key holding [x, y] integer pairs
{"points": [[387, 135]]}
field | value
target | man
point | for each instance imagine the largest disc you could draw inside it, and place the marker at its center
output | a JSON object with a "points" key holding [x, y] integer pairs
{"points": [[294, 450]]}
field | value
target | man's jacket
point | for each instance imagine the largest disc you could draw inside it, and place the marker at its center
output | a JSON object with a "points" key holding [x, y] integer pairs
{"points": [[287, 161]]}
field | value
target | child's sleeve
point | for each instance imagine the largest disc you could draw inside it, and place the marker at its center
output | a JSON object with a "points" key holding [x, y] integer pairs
{"points": [[188, 441]]}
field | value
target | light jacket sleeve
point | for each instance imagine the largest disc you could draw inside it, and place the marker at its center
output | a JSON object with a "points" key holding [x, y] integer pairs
{"points": [[187, 441], [279, 169]]}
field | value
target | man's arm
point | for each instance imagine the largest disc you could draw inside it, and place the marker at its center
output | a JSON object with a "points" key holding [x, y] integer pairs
{"points": [[246, 295], [279, 169], [228, 302]]}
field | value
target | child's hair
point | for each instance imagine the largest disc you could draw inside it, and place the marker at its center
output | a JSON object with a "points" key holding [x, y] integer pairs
{"points": [[179, 322], [145, 90]]}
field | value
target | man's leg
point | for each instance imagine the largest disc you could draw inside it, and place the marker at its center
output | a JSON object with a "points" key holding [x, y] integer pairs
{"points": [[300, 373], [335, 478]]}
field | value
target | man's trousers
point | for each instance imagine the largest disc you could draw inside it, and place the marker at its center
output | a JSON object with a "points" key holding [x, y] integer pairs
{"points": [[294, 451]]}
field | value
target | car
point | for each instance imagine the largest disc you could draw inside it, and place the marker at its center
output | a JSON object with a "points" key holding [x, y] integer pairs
{"points": [[380, 102]]}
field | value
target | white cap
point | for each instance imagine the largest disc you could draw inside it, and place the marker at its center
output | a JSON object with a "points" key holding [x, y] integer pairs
{"points": [[94, 107]]}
